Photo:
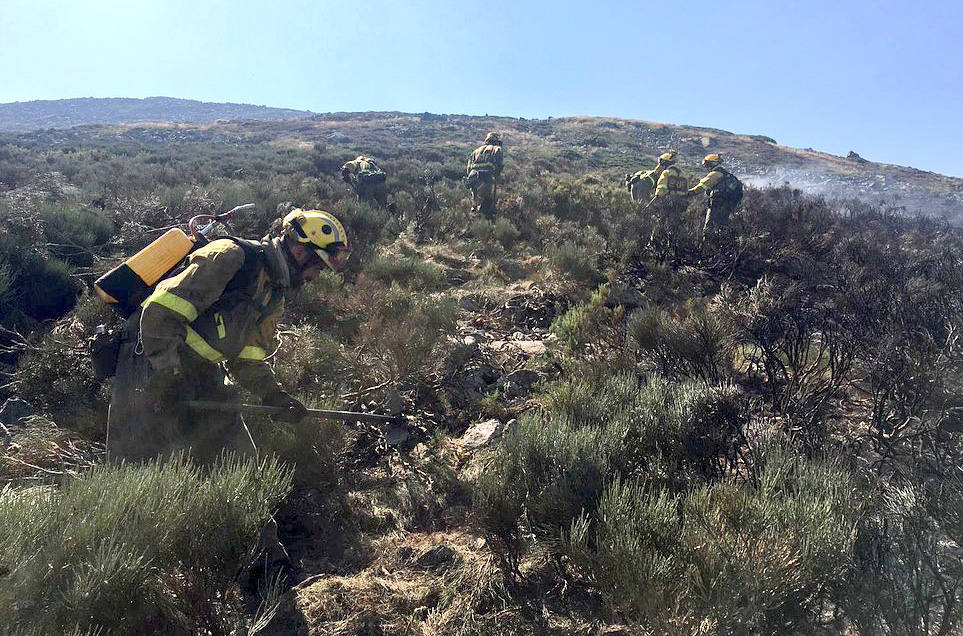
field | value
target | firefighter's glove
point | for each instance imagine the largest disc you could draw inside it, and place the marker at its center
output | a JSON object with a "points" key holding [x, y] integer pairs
{"points": [[294, 411], [164, 389]]}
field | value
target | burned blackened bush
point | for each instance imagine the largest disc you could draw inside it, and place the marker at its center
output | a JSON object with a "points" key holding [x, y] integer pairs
{"points": [[801, 345]]}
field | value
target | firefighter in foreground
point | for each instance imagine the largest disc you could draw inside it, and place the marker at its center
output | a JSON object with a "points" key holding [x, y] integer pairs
{"points": [[724, 191], [483, 171], [641, 184], [367, 180], [669, 201], [223, 307]]}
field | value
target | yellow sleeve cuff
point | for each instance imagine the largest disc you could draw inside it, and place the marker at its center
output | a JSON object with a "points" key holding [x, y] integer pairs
{"points": [[251, 352]]}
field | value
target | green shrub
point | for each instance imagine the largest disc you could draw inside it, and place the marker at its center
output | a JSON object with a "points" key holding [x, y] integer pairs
{"points": [[579, 402], [592, 432], [685, 433], [505, 232], [311, 360], [698, 344], [632, 551], [403, 330], [407, 271], [37, 287], [766, 559], [725, 558], [312, 446], [574, 260], [549, 231], [134, 549], [72, 232], [586, 323], [366, 227], [549, 473], [483, 231], [318, 302]]}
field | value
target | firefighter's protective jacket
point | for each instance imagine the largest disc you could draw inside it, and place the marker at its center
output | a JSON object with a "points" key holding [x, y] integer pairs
{"points": [[222, 307], [671, 182], [486, 158], [708, 182]]}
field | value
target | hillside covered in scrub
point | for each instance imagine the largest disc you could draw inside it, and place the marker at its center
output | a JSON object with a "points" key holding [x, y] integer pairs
{"points": [[613, 430], [606, 146]]}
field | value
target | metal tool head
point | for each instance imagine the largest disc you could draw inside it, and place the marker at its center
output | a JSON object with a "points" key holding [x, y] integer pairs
{"points": [[396, 433]]}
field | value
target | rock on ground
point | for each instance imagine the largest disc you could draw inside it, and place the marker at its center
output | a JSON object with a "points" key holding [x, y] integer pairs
{"points": [[518, 383], [436, 557], [481, 434]]}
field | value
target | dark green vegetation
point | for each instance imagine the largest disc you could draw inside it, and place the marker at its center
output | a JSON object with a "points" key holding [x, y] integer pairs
{"points": [[761, 435]]}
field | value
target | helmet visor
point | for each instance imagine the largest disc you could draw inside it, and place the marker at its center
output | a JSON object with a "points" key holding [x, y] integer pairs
{"points": [[334, 255]]}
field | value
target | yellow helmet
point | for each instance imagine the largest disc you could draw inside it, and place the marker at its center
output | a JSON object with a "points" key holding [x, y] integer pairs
{"points": [[668, 156], [323, 232], [711, 159]]}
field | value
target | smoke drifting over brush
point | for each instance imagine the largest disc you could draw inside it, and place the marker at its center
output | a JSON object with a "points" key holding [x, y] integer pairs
{"points": [[810, 182], [872, 188], [807, 181]]}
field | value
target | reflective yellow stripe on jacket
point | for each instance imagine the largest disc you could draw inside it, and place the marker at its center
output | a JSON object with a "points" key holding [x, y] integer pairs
{"points": [[186, 309], [175, 303], [201, 348]]}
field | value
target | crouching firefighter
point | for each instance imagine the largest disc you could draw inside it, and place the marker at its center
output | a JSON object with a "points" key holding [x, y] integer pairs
{"points": [[367, 180], [223, 306]]}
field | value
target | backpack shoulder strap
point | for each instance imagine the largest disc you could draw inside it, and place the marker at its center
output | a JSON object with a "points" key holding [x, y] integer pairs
{"points": [[253, 261]]}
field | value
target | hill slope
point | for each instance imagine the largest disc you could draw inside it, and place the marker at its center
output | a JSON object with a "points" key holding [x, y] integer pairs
{"points": [[573, 144], [617, 425], [65, 113]]}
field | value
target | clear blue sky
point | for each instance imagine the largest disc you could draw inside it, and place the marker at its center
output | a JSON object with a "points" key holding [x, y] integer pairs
{"points": [[883, 78]]}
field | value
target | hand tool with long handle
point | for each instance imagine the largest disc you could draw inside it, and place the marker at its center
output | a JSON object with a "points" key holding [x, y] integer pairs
{"points": [[397, 432]]}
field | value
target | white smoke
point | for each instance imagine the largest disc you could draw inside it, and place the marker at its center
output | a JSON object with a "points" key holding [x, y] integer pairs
{"points": [[871, 188]]}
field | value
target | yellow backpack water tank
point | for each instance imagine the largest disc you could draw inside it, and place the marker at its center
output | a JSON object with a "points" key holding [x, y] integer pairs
{"points": [[127, 285]]}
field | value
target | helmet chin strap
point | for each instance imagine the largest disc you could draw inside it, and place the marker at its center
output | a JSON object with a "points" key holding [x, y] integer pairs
{"points": [[294, 268], [326, 260]]}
